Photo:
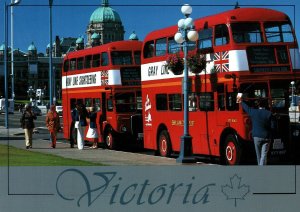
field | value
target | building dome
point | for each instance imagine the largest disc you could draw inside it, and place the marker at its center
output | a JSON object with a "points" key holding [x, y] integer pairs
{"points": [[79, 40], [95, 36], [31, 47], [105, 14], [133, 36]]}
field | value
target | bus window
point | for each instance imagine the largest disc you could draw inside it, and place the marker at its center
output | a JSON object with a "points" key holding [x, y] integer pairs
{"points": [[88, 61], [66, 65], [161, 47], [125, 102], [72, 103], [104, 59], [96, 60], [278, 32], [206, 102], [97, 104], [73, 64], [139, 101], [231, 104], [173, 46], [221, 97], [79, 101], [205, 38], [254, 91], [221, 35], [149, 49], [88, 102], [110, 105], [246, 32], [192, 102], [79, 63], [161, 102], [121, 58], [175, 103], [137, 57]]}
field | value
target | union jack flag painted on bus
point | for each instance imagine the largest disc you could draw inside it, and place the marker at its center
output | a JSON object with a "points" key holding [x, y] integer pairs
{"points": [[104, 77], [221, 60]]}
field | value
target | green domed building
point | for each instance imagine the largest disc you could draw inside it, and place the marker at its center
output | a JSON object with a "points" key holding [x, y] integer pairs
{"points": [[105, 22]]}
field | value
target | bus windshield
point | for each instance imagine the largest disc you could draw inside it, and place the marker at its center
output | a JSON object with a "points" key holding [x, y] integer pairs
{"points": [[121, 58], [127, 102], [278, 32], [279, 91]]}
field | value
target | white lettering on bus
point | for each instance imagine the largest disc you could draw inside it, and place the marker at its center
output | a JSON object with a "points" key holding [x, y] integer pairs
{"points": [[68, 81], [87, 79], [75, 80], [164, 70], [152, 71]]}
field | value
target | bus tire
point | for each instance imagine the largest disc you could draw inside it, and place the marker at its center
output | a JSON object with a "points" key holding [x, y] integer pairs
{"points": [[164, 144], [110, 140], [232, 150]]}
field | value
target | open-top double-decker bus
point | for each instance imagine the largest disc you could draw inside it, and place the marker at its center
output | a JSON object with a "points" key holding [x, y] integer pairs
{"points": [[107, 77], [249, 50]]}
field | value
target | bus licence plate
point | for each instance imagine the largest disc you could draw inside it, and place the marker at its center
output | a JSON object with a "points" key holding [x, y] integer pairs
{"points": [[278, 144]]}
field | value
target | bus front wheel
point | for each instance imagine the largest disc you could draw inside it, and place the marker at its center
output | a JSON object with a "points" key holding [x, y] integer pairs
{"points": [[232, 151], [164, 144], [110, 141]]}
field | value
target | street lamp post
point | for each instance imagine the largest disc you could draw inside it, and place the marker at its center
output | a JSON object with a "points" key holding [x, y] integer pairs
{"points": [[13, 3], [50, 55], [185, 33], [292, 102], [5, 56]]}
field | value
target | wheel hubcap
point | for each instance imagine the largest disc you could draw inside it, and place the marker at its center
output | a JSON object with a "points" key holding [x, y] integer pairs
{"points": [[230, 153]]}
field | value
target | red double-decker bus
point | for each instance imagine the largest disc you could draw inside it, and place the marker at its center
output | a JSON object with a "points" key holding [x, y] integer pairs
{"points": [[248, 50], [107, 77]]}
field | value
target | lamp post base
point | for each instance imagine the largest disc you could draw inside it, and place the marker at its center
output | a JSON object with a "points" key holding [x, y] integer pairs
{"points": [[185, 155]]}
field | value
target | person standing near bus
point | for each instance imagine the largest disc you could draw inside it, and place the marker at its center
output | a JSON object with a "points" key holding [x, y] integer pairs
{"points": [[92, 131], [82, 115], [262, 126], [74, 126], [53, 124], [28, 125]]}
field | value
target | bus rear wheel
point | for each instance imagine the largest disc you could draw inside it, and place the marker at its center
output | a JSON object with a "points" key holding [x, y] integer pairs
{"points": [[110, 141], [232, 151], [164, 144]]}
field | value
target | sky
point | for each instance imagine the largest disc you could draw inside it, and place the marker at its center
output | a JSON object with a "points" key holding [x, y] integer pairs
{"points": [[71, 17]]}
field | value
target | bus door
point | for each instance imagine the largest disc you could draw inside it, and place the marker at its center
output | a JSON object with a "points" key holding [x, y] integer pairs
{"points": [[206, 124], [103, 112]]}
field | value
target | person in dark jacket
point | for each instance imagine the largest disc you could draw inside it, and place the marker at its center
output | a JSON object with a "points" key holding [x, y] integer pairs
{"points": [[82, 115], [28, 125], [262, 125], [73, 128]]}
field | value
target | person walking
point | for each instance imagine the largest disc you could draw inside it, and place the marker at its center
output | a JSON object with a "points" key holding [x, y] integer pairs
{"points": [[262, 125], [92, 131], [28, 125], [53, 124], [82, 115]]}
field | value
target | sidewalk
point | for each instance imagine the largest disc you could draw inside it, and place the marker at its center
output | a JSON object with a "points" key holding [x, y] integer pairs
{"points": [[15, 137]]}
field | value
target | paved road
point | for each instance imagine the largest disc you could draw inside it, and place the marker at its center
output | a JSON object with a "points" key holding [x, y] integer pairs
{"points": [[15, 137]]}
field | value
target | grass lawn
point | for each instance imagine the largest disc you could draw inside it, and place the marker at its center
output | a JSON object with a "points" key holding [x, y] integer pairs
{"points": [[20, 157]]}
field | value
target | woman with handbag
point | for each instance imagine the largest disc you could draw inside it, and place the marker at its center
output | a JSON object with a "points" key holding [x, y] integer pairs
{"points": [[53, 124], [92, 131]]}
